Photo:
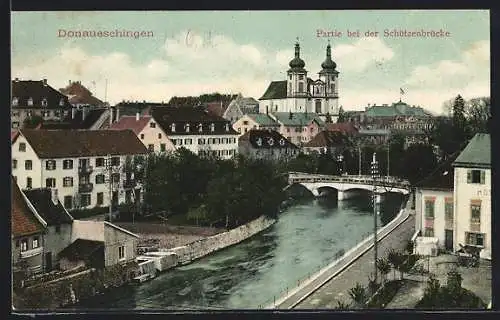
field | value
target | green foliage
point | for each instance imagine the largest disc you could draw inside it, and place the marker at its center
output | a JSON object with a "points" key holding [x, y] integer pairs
{"points": [[384, 267], [385, 295], [32, 122], [342, 306], [418, 162], [342, 117], [358, 294], [85, 213], [396, 259]]}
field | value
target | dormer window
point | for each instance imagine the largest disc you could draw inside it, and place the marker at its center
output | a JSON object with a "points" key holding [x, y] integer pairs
{"points": [[227, 127], [61, 102], [186, 127], [44, 102], [212, 127], [200, 127], [30, 101], [172, 127], [15, 101]]}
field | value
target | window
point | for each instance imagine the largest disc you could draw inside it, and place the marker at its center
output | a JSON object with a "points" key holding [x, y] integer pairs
{"points": [[332, 87], [28, 165], [301, 77], [100, 162], [58, 228], [67, 164], [476, 176], [36, 244], [22, 146], [100, 198], [290, 77], [50, 182], [448, 209], [14, 164], [15, 101], [163, 147], [429, 208], [24, 245], [301, 87], [68, 202], [44, 102], [15, 124], [29, 182], [50, 164], [212, 127], [475, 211], [142, 136], [99, 179], [115, 177], [152, 125], [186, 127], [151, 147], [429, 232], [115, 161], [239, 130], [159, 135], [172, 127], [85, 200], [30, 101], [121, 253], [61, 102], [67, 181], [245, 123], [200, 127], [474, 239]]}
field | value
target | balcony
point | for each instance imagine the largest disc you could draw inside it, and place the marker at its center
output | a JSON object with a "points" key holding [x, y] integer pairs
{"points": [[129, 183], [85, 169], [31, 253], [85, 187]]}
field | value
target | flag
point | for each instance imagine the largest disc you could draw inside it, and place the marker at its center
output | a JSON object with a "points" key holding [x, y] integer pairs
{"points": [[401, 91]]}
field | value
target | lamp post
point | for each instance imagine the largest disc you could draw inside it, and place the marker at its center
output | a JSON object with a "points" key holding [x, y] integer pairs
{"points": [[376, 202], [340, 158], [359, 158]]}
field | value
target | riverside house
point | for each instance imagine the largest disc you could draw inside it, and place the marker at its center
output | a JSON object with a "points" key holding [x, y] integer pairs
{"points": [[79, 164], [298, 128], [261, 121], [267, 145]]}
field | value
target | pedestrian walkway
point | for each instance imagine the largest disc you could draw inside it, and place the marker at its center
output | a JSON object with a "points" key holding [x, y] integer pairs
{"points": [[337, 289]]}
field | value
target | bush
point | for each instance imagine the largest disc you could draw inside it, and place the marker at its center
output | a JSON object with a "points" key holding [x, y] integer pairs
{"points": [[85, 213], [385, 295]]}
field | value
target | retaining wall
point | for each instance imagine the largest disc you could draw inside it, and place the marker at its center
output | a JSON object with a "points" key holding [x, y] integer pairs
{"points": [[203, 247]]}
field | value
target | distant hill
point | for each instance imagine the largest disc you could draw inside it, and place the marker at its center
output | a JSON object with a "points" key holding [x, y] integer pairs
{"points": [[202, 99]]}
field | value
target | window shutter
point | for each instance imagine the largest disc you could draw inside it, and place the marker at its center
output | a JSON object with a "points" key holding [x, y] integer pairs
{"points": [[469, 176], [483, 176]]}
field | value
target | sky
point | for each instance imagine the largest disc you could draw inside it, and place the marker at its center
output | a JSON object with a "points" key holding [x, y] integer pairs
{"points": [[187, 53]]}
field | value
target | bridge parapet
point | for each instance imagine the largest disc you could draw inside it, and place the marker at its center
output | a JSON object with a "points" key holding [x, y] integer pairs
{"points": [[298, 177]]}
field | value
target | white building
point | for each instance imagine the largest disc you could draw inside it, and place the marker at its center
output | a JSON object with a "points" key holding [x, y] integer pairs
{"points": [[299, 93], [472, 196], [74, 162], [147, 130], [260, 121], [198, 131]]}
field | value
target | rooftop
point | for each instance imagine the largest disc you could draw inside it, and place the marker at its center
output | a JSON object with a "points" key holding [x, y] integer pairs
{"points": [[79, 94], [266, 139], [297, 119], [80, 143], [23, 220], [51, 213], [477, 153], [76, 122], [40, 93], [276, 90], [344, 127], [82, 249], [441, 178], [328, 139], [263, 119], [131, 122], [396, 109]]}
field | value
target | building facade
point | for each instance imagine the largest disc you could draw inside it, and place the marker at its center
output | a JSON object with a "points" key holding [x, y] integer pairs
{"points": [[36, 98], [299, 93], [255, 121], [198, 131], [298, 128], [472, 196], [331, 142], [239, 107], [82, 165], [147, 129], [267, 145]]}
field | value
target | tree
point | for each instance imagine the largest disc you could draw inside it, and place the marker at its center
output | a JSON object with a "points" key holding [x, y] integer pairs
{"points": [[342, 306], [432, 292], [384, 267], [395, 258], [418, 162], [359, 295], [478, 115], [32, 122], [458, 112], [341, 117]]}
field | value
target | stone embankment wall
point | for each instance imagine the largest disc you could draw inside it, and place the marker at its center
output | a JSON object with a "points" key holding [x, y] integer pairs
{"points": [[203, 247]]}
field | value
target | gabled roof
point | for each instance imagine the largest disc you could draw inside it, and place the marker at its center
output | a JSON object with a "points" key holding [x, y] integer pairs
{"points": [[298, 119], [53, 214], [477, 153], [131, 122], [106, 223], [182, 116], [83, 143], [344, 127], [263, 119], [81, 249], [23, 220], [79, 94], [396, 109], [328, 139], [276, 90], [76, 122], [266, 139], [38, 91], [13, 135], [441, 178]]}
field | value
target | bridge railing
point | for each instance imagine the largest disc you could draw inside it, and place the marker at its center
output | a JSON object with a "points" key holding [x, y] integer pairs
{"points": [[297, 177]]}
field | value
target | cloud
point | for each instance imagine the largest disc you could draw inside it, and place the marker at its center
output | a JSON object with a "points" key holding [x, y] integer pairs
{"points": [[361, 54]]}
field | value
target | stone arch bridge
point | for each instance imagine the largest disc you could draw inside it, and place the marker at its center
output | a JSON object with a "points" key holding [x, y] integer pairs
{"points": [[347, 185]]}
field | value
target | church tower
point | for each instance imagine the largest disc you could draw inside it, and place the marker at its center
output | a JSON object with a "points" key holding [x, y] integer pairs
{"points": [[297, 82], [329, 76]]}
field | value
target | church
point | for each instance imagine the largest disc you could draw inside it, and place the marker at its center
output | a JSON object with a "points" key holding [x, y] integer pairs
{"points": [[301, 94]]}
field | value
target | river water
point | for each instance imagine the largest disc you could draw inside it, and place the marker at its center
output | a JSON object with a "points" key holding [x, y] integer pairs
{"points": [[307, 236]]}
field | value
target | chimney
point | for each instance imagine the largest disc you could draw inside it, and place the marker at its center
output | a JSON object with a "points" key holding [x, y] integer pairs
{"points": [[137, 116], [73, 112], [44, 82], [53, 196], [117, 113], [69, 83]]}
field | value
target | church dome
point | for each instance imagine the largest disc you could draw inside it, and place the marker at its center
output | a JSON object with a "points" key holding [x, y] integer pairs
{"points": [[328, 64], [297, 62]]}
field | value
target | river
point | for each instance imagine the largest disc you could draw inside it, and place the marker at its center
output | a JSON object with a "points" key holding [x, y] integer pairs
{"points": [[308, 235]]}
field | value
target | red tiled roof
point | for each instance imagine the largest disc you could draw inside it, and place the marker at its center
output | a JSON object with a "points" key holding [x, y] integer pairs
{"points": [[328, 139], [78, 94], [13, 135], [83, 143], [23, 221], [344, 127], [131, 122]]}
